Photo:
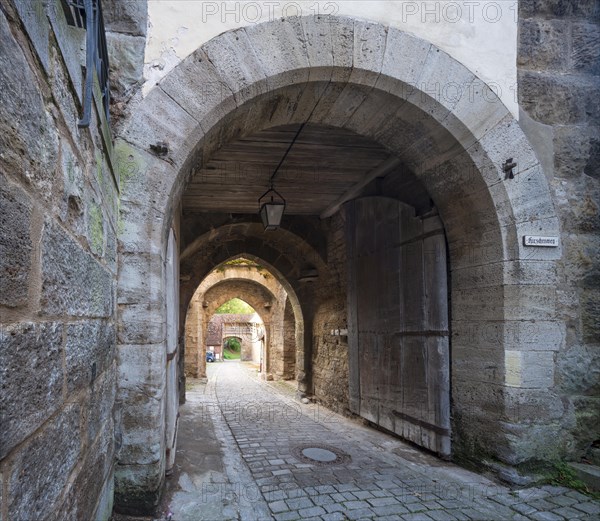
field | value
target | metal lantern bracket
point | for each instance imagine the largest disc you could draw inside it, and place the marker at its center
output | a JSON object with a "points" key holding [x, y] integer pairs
{"points": [[270, 190]]}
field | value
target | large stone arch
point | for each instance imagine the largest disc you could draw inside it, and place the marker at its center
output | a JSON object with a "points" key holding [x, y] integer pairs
{"points": [[447, 127], [254, 285]]}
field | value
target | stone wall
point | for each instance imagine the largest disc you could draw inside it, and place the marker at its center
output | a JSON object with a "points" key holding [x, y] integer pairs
{"points": [[58, 249], [559, 95], [330, 352]]}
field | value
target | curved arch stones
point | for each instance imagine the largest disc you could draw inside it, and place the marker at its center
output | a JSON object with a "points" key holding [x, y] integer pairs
{"points": [[497, 284]]}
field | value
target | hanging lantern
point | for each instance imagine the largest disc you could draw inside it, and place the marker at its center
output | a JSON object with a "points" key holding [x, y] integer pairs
{"points": [[271, 211]]}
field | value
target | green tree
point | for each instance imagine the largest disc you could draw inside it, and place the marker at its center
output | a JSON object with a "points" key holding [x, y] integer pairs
{"points": [[235, 306]]}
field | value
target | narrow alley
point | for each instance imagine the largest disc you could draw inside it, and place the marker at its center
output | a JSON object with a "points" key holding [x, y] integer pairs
{"points": [[248, 450]]}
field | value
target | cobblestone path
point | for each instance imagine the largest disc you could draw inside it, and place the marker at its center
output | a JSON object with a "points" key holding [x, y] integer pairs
{"points": [[266, 473]]}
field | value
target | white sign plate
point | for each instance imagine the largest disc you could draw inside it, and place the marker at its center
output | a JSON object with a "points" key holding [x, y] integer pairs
{"points": [[538, 240]]}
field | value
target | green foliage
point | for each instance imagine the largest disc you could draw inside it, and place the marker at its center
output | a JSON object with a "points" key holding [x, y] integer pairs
{"points": [[232, 349], [565, 476], [235, 306], [233, 344]]}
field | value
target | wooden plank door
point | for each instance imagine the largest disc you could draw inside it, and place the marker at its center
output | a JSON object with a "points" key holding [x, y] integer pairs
{"points": [[398, 335]]}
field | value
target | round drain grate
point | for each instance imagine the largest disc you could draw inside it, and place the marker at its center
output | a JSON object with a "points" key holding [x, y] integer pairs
{"points": [[320, 454]]}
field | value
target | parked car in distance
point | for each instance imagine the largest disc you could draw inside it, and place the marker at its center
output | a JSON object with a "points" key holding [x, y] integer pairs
{"points": [[210, 356]]}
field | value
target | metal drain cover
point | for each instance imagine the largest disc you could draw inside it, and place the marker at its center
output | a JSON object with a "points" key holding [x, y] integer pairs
{"points": [[320, 454]]}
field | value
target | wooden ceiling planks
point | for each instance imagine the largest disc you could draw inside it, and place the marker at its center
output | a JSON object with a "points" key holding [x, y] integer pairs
{"points": [[323, 164]]}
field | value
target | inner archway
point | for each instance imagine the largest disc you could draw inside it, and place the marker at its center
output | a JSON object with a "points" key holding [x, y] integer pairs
{"points": [[389, 90]]}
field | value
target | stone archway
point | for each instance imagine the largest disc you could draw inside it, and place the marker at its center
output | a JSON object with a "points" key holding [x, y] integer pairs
{"points": [[256, 286], [447, 127]]}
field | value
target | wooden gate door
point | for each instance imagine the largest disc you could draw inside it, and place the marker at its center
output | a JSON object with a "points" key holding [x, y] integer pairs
{"points": [[398, 337]]}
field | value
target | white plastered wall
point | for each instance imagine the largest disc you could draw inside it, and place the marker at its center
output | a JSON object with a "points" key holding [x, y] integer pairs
{"points": [[482, 35]]}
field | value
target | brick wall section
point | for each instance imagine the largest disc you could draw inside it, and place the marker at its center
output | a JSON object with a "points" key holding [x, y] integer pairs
{"points": [[58, 225], [559, 89]]}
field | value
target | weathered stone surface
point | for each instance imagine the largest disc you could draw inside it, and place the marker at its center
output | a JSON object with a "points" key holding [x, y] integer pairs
{"points": [[557, 99], [369, 48], [560, 8], [585, 48], [31, 379], [88, 491], [579, 370], [197, 88], [39, 474], [125, 16], [233, 57], [72, 281], [89, 350], [141, 323], [126, 58], [101, 401], [162, 123], [572, 147], [15, 244], [33, 16], [281, 50], [138, 488], [27, 133], [590, 316], [542, 44]]}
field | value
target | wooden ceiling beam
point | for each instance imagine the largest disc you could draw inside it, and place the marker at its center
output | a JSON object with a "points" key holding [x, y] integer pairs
{"points": [[380, 170]]}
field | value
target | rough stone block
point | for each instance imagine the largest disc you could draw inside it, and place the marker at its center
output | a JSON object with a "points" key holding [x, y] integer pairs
{"points": [[527, 442], [126, 58], [139, 325], [138, 488], [31, 378], [369, 48], [38, 474], [436, 95], [477, 111], [160, 122], [141, 369], [590, 315], [281, 50], [525, 198], [560, 8], [317, 34], [529, 369], [578, 369], [73, 282], [125, 16], [89, 349], [71, 42], [141, 279], [28, 138], [542, 44], [585, 48], [237, 65], [533, 405], [88, 490], [502, 142], [36, 25], [101, 402], [402, 63], [15, 244], [572, 149], [557, 99], [342, 40], [198, 88]]}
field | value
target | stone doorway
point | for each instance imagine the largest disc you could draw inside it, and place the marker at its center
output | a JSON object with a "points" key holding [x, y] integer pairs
{"points": [[403, 140]]}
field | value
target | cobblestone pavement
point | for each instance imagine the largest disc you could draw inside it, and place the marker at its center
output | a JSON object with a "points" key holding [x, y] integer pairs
{"points": [[263, 474]]}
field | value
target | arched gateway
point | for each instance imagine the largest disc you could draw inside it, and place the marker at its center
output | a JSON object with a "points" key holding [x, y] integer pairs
{"points": [[431, 113]]}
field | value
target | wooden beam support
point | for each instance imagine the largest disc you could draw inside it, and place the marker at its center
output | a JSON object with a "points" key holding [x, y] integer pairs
{"points": [[380, 170]]}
